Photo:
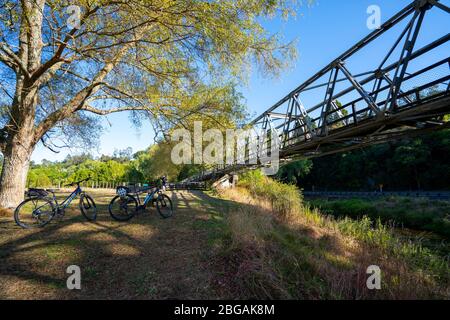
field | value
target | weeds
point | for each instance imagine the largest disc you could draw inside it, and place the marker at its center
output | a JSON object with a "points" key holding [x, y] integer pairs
{"points": [[410, 213], [279, 248]]}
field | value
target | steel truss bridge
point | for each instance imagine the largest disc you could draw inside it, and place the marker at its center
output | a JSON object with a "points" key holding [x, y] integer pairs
{"points": [[407, 92]]}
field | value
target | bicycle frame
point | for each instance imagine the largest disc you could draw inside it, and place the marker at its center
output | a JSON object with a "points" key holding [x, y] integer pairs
{"points": [[69, 199], [148, 198], [57, 209]]}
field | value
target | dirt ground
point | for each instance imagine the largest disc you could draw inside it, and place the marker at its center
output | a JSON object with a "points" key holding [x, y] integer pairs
{"points": [[145, 258]]}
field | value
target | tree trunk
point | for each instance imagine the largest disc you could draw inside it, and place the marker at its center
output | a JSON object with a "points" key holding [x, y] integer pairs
{"points": [[17, 150], [14, 173]]}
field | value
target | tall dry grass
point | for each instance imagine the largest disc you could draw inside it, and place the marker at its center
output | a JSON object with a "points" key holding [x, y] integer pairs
{"points": [[278, 248]]}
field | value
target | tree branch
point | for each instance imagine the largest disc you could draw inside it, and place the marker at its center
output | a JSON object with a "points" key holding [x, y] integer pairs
{"points": [[102, 112], [55, 61], [48, 146], [11, 56], [8, 61]]}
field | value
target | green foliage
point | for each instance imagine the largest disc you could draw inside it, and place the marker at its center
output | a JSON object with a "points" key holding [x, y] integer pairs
{"points": [[38, 178], [188, 171], [410, 164], [377, 234], [414, 214], [54, 173], [186, 58], [295, 171], [144, 167]]}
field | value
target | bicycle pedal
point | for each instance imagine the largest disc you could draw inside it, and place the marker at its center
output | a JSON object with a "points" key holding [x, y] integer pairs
{"points": [[60, 213]]}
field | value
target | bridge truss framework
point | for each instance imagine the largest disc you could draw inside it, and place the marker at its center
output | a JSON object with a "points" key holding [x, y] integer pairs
{"points": [[357, 110]]}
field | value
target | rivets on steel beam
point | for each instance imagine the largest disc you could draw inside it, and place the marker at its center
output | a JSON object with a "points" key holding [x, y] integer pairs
{"points": [[423, 5], [337, 63]]}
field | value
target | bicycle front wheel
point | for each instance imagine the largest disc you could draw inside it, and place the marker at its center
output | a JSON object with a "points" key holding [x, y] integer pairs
{"points": [[164, 206], [34, 212], [123, 208], [88, 207]]}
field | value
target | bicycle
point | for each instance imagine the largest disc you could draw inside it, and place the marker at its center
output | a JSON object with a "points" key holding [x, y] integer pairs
{"points": [[126, 204], [40, 208]]}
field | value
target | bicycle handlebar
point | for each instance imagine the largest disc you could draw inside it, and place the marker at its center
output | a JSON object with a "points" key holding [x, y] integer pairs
{"points": [[78, 182]]}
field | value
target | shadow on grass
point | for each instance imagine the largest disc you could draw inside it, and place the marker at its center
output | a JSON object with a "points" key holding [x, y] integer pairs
{"points": [[147, 257]]}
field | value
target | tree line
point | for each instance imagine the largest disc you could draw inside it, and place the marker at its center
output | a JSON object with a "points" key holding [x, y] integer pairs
{"points": [[416, 163], [123, 166]]}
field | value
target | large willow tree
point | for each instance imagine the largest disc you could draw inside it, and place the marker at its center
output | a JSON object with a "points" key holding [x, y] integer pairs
{"points": [[162, 59]]}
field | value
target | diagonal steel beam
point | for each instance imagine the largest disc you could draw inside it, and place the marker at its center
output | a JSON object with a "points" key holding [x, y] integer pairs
{"points": [[388, 80], [305, 118], [366, 96], [328, 99], [439, 5], [417, 19]]}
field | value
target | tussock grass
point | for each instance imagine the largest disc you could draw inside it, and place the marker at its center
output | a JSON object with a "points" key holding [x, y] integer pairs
{"points": [[278, 248], [6, 212]]}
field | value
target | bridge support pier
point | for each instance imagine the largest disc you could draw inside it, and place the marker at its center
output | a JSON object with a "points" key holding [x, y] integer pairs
{"points": [[228, 181]]}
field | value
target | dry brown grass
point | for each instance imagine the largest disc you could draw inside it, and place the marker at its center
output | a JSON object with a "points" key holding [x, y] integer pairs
{"points": [[304, 256], [6, 212]]}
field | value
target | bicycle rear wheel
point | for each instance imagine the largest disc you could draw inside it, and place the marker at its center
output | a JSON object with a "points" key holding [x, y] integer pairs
{"points": [[123, 208], [34, 212], [88, 207], [164, 206]]}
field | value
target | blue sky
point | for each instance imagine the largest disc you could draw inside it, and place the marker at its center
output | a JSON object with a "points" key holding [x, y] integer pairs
{"points": [[324, 31]]}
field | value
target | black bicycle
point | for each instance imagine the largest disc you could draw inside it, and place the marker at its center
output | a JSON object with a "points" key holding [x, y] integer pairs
{"points": [[127, 203], [41, 206]]}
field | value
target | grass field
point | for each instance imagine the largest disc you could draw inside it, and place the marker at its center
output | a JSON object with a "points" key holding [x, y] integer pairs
{"points": [[230, 245], [147, 257]]}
